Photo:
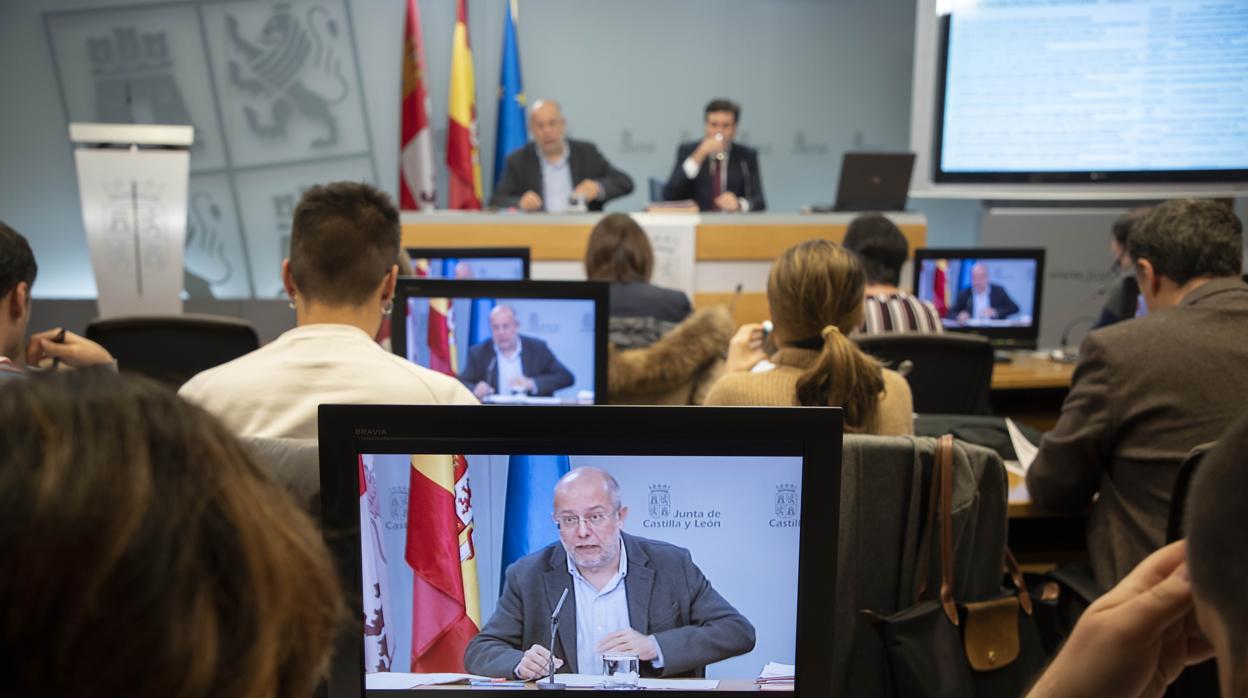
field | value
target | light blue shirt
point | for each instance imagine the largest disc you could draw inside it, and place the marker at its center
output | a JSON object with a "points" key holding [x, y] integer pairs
{"points": [[509, 369], [600, 613], [980, 303], [556, 181]]}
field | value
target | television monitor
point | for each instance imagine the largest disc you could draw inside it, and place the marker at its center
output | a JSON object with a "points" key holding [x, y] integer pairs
{"points": [[510, 342], [485, 263], [426, 507], [992, 292], [1069, 91]]}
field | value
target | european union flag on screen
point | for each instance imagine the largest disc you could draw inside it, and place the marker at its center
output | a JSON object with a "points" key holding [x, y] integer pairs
{"points": [[448, 267], [513, 131], [479, 321], [527, 525]]}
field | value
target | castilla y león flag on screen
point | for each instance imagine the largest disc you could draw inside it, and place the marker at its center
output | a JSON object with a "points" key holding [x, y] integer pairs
{"points": [[462, 156], [417, 188], [446, 611]]}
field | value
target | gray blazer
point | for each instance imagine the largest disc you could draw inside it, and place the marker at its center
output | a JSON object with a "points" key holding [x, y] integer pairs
{"points": [[1145, 392], [668, 597]]}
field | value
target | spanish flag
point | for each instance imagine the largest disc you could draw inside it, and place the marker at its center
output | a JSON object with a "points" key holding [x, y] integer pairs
{"points": [[462, 155], [446, 611], [940, 287], [441, 337]]}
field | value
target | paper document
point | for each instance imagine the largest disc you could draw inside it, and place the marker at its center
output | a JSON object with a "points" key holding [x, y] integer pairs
{"points": [[679, 684], [392, 680], [1024, 449], [775, 670]]}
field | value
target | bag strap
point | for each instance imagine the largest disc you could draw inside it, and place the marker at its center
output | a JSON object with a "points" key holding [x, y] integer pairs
{"points": [[944, 460], [940, 499], [1016, 573]]}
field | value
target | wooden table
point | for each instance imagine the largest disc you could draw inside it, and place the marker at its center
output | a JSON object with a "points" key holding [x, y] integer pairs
{"points": [[1030, 389]]}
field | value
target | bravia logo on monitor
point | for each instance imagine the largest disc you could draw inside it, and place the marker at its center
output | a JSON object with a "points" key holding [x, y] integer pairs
{"points": [[660, 501], [365, 431], [786, 501]]}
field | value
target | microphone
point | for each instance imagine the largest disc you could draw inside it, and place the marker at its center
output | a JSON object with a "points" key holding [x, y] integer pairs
{"points": [[549, 683], [721, 155]]}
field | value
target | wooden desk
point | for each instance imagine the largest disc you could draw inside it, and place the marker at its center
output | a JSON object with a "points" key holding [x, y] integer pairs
{"points": [[729, 249], [1030, 389]]}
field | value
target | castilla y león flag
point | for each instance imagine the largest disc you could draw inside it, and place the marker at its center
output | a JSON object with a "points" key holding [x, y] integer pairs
{"points": [[417, 188], [462, 155], [445, 604]]}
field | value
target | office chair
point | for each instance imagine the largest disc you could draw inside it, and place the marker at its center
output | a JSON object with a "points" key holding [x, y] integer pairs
{"points": [[948, 373], [173, 348]]}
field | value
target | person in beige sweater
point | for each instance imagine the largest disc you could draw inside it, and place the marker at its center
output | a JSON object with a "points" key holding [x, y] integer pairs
{"points": [[815, 293]]}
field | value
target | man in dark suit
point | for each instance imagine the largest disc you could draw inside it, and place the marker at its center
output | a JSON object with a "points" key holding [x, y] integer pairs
{"points": [[548, 173], [510, 362], [715, 172], [647, 597], [1148, 390], [982, 301]]}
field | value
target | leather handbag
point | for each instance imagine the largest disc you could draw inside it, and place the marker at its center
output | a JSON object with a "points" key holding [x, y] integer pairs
{"points": [[941, 648]]}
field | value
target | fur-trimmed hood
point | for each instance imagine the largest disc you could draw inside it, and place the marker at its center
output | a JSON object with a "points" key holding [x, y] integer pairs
{"points": [[675, 360]]}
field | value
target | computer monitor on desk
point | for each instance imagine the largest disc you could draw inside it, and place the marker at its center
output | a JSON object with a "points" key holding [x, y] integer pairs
{"points": [[445, 523], [991, 292], [510, 342], [481, 263]]}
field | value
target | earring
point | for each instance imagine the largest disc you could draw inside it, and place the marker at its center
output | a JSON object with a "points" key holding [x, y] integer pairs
{"points": [[388, 307]]}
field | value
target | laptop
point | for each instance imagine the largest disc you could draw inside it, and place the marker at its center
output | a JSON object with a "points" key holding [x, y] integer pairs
{"points": [[874, 181], [443, 519]]}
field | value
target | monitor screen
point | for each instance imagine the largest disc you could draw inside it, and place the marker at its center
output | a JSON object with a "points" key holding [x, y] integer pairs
{"points": [[518, 342], [483, 263], [994, 292], [1092, 91], [465, 544]]}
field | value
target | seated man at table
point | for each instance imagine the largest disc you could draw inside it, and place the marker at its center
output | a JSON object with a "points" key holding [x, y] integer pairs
{"points": [[1145, 392], [548, 173], [717, 173], [982, 300], [627, 594], [509, 362]]}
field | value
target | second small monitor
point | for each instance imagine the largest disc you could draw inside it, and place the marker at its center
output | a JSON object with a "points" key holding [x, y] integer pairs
{"points": [[481, 263], [509, 342], [993, 292]]}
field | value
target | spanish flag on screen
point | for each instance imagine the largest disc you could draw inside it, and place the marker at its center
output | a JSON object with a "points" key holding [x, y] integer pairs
{"points": [[462, 155], [446, 611]]}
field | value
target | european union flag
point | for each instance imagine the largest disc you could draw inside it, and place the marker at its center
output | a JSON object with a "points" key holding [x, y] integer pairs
{"points": [[513, 130], [527, 525]]}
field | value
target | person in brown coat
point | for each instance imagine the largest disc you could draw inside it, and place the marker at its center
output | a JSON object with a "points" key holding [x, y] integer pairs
{"points": [[1148, 390]]}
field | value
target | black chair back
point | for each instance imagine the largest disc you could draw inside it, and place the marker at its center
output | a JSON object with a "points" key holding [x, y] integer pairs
{"points": [[948, 373], [173, 348]]}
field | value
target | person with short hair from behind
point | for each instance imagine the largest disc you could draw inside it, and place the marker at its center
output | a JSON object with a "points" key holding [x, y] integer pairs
{"points": [[815, 292], [883, 250], [17, 276], [1146, 392], [1117, 307], [1137, 638], [641, 312], [146, 554], [341, 277]]}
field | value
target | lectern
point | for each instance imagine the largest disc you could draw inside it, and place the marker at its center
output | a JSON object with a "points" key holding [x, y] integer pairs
{"points": [[132, 181]]}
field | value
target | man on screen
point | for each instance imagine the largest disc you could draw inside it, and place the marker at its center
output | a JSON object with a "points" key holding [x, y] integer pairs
{"points": [[982, 301], [626, 594], [511, 363]]}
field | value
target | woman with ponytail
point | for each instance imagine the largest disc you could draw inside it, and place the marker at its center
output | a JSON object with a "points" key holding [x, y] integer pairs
{"points": [[815, 293]]}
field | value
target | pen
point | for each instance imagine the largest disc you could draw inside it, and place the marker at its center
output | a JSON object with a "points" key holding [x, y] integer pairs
{"points": [[59, 339]]}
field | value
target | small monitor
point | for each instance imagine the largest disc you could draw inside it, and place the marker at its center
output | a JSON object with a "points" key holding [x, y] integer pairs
{"points": [[874, 181], [510, 342], [456, 550], [992, 292], [482, 263]]}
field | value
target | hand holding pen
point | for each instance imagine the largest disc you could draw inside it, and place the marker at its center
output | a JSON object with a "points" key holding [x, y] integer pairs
{"points": [[60, 346]]}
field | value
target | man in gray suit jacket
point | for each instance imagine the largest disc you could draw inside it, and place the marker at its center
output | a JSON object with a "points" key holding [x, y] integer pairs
{"points": [[545, 174], [1148, 390], [634, 595]]}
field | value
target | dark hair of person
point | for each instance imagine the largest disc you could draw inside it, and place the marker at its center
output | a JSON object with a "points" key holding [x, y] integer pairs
{"points": [[1217, 549], [17, 261], [880, 247], [618, 250], [343, 241], [815, 292], [722, 104], [146, 554], [1189, 238], [1121, 229]]}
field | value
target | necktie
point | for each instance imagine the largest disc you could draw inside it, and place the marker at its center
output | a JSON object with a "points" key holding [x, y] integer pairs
{"points": [[716, 189]]}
